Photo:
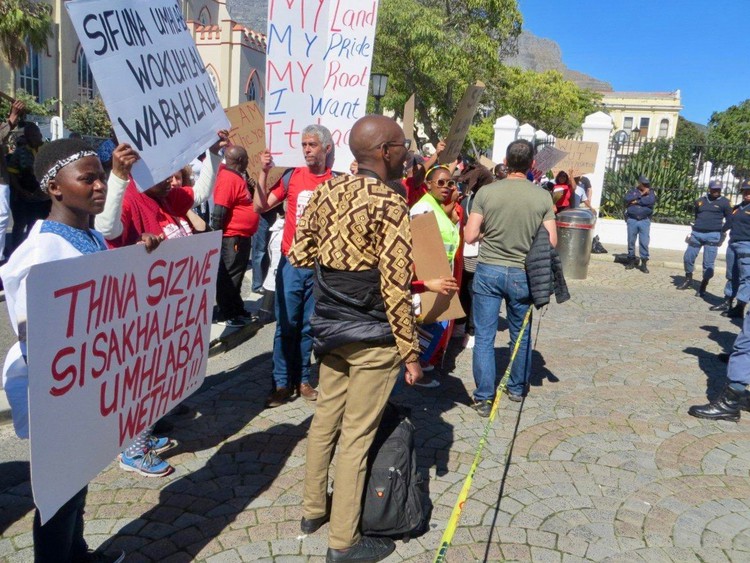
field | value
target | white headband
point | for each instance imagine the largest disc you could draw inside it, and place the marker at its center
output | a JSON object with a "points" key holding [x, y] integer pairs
{"points": [[52, 172]]}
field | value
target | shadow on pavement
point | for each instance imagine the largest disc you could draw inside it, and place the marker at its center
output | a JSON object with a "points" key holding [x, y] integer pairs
{"points": [[501, 490], [15, 492], [196, 508]]}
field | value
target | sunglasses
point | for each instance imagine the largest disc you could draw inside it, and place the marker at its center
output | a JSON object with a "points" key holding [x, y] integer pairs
{"points": [[406, 144], [442, 183]]}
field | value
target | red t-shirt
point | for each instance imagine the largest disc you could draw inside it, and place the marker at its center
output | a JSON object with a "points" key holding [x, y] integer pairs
{"points": [[413, 193], [564, 201], [231, 192], [302, 184]]}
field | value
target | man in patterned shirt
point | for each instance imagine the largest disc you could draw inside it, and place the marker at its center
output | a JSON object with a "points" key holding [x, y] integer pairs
{"points": [[355, 233]]}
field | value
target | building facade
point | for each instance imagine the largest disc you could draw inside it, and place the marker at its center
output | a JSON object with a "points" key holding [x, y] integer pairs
{"points": [[233, 54], [651, 115]]}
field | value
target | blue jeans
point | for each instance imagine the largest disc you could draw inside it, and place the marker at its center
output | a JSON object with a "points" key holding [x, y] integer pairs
{"points": [[492, 285], [738, 369], [738, 267], [61, 538], [710, 244], [640, 228], [292, 343], [259, 256]]}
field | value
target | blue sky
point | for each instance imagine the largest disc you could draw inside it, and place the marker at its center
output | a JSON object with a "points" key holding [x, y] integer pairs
{"points": [[701, 47]]}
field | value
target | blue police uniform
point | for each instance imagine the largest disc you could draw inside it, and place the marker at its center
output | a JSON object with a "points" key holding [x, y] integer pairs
{"points": [[738, 261], [712, 215], [638, 210]]}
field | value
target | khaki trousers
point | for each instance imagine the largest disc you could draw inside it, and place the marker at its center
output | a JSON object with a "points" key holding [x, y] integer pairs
{"points": [[355, 383]]}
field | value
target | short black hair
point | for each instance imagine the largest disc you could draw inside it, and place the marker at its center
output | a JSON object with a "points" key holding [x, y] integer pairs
{"points": [[519, 156], [50, 153]]}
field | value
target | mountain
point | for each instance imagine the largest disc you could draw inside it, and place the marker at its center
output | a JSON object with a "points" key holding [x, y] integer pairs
{"points": [[534, 53], [540, 54]]}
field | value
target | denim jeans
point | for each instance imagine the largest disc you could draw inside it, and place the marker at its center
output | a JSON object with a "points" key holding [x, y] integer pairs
{"points": [[492, 285], [292, 343], [739, 266], [729, 290], [259, 256], [738, 369], [61, 538], [710, 244], [640, 228]]}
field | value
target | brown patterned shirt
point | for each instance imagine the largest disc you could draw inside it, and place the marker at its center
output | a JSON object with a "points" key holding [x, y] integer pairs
{"points": [[353, 224]]}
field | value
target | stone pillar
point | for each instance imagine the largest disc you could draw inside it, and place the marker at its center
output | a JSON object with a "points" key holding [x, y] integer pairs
{"points": [[527, 132], [506, 131], [597, 128]]}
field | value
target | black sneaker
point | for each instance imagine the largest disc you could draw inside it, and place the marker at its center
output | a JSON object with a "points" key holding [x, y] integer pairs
{"points": [[483, 408], [366, 549]]}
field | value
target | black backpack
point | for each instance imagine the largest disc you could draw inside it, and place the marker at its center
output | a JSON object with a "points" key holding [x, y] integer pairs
{"points": [[395, 503]]}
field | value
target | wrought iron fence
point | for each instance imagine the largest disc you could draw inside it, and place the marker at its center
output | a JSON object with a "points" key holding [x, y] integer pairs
{"points": [[679, 174]]}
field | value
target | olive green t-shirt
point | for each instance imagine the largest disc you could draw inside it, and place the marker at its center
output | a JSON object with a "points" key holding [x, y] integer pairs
{"points": [[512, 211]]}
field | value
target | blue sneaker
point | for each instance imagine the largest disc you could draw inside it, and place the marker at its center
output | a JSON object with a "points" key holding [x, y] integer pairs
{"points": [[147, 464], [160, 445]]}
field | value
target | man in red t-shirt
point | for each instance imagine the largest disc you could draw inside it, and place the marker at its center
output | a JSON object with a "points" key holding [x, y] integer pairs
{"points": [[292, 345], [234, 215]]}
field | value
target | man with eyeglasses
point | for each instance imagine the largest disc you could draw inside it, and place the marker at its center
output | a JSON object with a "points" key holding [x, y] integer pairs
{"points": [[292, 344], [355, 233]]}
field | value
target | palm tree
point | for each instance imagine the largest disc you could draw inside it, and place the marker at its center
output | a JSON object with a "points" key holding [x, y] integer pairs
{"points": [[23, 23]]}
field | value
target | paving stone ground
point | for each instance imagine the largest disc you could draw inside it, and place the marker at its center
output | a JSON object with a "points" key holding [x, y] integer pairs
{"points": [[604, 462]]}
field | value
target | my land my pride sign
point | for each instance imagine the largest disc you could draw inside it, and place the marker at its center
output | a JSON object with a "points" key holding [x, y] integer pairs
{"points": [[154, 84], [115, 340], [317, 71]]}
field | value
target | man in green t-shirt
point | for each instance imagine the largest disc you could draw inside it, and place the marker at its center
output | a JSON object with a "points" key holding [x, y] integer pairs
{"points": [[505, 217]]}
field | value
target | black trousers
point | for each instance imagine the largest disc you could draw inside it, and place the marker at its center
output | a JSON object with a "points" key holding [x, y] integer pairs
{"points": [[60, 540], [235, 252]]}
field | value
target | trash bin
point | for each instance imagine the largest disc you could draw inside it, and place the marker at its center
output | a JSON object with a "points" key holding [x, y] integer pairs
{"points": [[575, 229]]}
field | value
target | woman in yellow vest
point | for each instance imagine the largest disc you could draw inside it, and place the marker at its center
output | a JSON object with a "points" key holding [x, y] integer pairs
{"points": [[442, 200]]}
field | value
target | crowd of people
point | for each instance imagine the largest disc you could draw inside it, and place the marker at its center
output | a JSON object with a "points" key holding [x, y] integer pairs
{"points": [[331, 256]]}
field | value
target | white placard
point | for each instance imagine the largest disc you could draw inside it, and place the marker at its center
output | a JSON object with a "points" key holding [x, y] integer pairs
{"points": [[318, 61], [115, 340], [157, 90]]}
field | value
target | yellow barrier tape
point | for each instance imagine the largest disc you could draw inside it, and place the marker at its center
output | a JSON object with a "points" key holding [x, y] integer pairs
{"points": [[458, 508]]}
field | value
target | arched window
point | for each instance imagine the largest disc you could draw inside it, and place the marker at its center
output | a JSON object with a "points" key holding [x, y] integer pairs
{"points": [[204, 16], [85, 78], [214, 78], [251, 92], [29, 77], [664, 128]]}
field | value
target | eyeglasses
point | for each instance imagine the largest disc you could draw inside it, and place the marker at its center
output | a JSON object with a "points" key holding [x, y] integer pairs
{"points": [[406, 144], [442, 183]]}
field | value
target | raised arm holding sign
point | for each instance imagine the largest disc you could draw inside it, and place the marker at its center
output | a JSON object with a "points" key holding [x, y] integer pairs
{"points": [[153, 82], [461, 123]]}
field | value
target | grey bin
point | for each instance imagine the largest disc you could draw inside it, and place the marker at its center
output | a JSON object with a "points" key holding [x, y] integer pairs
{"points": [[575, 229]]}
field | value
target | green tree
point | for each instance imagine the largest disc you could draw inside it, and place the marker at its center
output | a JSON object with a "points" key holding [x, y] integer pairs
{"points": [[23, 21], [689, 133], [729, 139], [437, 48], [544, 99], [46, 108], [89, 118]]}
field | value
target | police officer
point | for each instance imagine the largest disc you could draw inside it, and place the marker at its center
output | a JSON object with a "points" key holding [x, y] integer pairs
{"points": [[735, 396], [712, 213], [639, 206], [738, 259]]}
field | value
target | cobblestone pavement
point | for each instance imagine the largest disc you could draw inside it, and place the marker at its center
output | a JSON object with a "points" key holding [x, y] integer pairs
{"points": [[605, 463]]}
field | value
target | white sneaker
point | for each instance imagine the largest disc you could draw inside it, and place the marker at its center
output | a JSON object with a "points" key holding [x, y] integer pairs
{"points": [[468, 341]]}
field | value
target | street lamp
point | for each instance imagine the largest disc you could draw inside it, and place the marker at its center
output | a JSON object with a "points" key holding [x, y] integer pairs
{"points": [[378, 84]]}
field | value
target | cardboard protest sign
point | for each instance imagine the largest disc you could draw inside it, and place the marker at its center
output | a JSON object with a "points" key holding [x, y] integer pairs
{"points": [[158, 93], [580, 157], [461, 123], [115, 340], [430, 262], [487, 163], [409, 121], [547, 158], [318, 59], [248, 131]]}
